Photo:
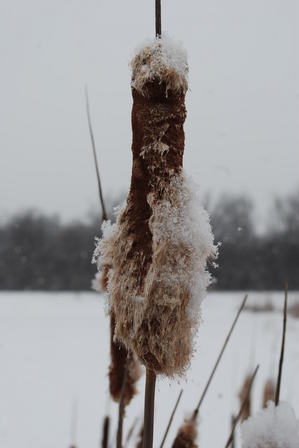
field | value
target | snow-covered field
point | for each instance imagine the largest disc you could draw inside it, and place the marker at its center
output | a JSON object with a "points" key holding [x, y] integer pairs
{"points": [[54, 357]]}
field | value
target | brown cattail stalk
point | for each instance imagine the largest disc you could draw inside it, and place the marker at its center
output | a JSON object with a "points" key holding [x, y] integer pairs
{"points": [[243, 405], [186, 437], [269, 392], [105, 432], [121, 409], [171, 418], [246, 398], [158, 18], [195, 413], [277, 393], [149, 408]]}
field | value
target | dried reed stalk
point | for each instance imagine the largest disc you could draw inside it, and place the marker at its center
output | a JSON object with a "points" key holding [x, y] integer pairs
{"points": [[277, 393], [121, 409], [171, 418], [195, 413], [149, 408], [105, 432], [243, 405], [158, 18], [104, 213]]}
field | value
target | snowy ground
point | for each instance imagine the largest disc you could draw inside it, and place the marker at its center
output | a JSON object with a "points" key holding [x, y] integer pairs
{"points": [[54, 356]]}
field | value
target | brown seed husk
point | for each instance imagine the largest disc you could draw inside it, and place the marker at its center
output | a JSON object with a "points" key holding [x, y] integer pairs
{"points": [[120, 357], [242, 396], [186, 437], [269, 392]]}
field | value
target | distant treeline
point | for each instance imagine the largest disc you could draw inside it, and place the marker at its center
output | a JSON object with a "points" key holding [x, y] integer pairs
{"points": [[38, 252]]}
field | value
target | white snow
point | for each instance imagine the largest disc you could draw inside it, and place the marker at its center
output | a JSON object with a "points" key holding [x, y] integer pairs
{"points": [[273, 427], [54, 351], [156, 59]]}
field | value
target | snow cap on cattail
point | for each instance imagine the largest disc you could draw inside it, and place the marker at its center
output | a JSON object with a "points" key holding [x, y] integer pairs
{"points": [[154, 257], [273, 427]]}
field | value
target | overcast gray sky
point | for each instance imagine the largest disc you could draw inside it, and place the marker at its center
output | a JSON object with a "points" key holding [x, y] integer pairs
{"points": [[242, 124]]}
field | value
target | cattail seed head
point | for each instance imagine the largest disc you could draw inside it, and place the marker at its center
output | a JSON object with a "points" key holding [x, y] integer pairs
{"points": [[186, 437], [154, 257]]}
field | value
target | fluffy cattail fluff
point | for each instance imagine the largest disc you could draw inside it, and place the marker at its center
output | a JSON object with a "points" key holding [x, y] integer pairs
{"points": [[186, 436], [273, 427], [120, 360], [155, 256], [242, 395], [269, 392]]}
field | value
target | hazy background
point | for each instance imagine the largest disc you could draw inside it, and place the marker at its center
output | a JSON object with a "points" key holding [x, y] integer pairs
{"points": [[242, 125]]}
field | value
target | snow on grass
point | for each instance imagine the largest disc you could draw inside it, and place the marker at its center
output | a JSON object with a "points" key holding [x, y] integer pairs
{"points": [[54, 351]]}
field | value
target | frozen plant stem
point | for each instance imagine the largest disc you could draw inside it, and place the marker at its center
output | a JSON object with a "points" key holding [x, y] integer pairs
{"points": [[236, 420], [149, 405], [219, 357], [121, 408], [105, 436], [158, 18], [104, 214], [277, 394], [171, 418]]}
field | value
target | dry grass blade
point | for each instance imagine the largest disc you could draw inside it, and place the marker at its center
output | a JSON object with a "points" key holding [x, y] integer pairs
{"points": [[104, 214], [220, 356], [121, 408], [149, 407], [171, 418], [241, 411], [277, 394], [105, 435], [131, 430]]}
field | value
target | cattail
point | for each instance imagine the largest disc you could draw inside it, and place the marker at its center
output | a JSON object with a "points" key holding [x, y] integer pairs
{"points": [[155, 256], [120, 360], [245, 398], [269, 392], [186, 437]]}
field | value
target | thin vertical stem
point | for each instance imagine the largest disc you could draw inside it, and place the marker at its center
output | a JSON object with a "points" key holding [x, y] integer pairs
{"points": [[236, 420], [158, 19], [121, 408], [219, 357], [149, 405], [277, 394], [171, 418], [105, 435], [104, 214]]}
